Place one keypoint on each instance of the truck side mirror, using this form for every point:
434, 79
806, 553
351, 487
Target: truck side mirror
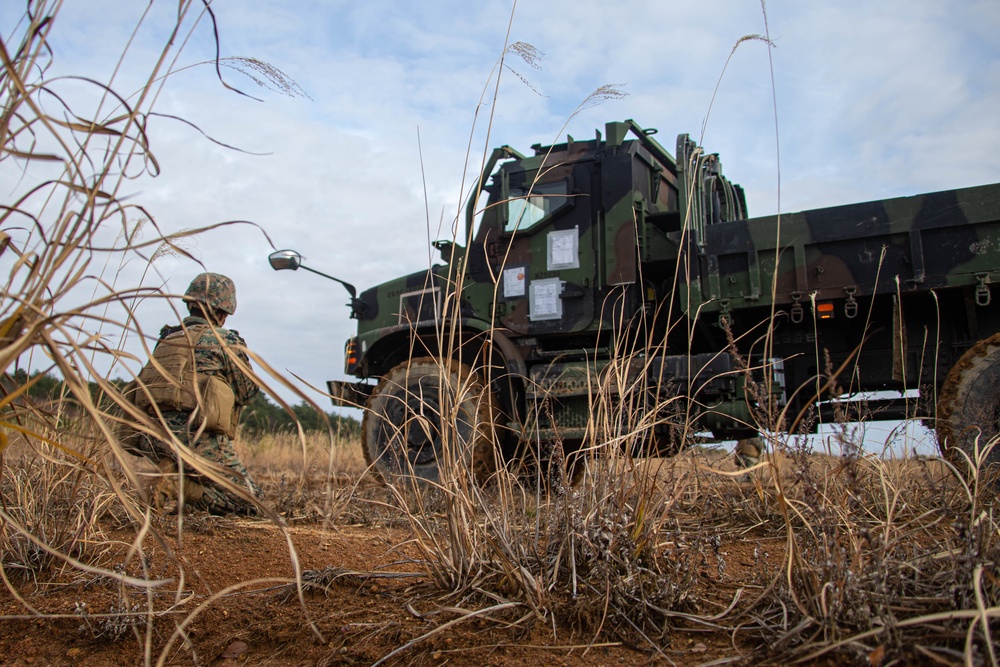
447, 250
285, 259
290, 259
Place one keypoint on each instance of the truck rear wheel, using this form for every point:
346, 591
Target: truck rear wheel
968, 410
426, 414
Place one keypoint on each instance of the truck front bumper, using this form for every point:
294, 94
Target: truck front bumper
349, 394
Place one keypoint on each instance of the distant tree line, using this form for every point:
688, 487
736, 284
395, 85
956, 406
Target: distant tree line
260, 417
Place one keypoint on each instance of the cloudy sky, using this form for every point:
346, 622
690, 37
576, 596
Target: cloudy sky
856, 100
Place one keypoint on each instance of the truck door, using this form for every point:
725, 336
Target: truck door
544, 259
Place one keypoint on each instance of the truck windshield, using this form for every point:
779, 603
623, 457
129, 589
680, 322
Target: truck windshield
527, 206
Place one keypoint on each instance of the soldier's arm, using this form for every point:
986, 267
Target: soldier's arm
236, 360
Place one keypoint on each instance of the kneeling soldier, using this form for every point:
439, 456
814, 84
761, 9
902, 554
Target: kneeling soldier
198, 381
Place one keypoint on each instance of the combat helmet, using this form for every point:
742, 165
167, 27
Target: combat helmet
214, 290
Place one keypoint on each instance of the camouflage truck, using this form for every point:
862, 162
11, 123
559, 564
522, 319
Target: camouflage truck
610, 292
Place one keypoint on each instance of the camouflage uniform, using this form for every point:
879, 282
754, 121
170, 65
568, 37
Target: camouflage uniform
213, 354
747, 454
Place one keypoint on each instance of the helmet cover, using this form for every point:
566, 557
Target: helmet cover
214, 290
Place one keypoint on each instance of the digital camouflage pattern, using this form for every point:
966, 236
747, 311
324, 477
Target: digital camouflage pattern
214, 355
216, 352
612, 256
214, 290
214, 447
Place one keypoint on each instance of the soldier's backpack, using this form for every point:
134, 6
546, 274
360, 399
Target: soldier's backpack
170, 380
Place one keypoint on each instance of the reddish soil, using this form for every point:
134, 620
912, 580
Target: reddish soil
237, 574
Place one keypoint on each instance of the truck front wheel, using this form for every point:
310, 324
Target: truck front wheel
968, 410
425, 415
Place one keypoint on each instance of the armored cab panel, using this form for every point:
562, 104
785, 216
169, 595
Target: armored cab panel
557, 250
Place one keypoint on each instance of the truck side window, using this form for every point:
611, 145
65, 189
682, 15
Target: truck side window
527, 206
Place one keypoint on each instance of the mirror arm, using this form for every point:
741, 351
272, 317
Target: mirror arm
350, 288
294, 262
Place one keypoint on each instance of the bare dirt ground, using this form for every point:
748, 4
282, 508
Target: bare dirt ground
360, 614
228, 597
365, 599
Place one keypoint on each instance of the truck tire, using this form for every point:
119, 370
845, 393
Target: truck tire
968, 410
427, 413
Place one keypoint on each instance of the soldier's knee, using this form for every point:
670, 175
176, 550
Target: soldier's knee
748, 452
750, 446
172, 489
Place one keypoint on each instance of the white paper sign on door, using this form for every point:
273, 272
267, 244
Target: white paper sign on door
513, 282
564, 249
544, 302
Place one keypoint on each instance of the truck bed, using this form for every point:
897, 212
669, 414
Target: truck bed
941, 239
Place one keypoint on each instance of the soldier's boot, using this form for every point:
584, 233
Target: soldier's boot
216, 501
747, 454
166, 494
164, 491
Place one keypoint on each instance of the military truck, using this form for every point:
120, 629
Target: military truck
608, 292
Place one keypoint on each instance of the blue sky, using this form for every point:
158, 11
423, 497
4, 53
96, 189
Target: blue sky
869, 100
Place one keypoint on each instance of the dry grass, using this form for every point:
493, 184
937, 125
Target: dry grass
879, 555
52, 514
311, 477
315, 456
